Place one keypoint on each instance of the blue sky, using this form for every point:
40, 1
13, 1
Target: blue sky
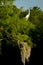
26, 4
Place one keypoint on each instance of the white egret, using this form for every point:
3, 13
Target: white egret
28, 15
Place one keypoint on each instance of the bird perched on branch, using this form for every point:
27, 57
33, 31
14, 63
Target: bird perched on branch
28, 15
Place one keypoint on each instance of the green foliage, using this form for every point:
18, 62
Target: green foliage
6, 2
36, 18
13, 27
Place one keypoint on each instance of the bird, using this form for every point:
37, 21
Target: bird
28, 15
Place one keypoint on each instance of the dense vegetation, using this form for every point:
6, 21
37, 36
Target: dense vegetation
14, 26
36, 18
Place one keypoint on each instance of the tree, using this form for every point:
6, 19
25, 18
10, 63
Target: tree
37, 20
12, 27
6, 2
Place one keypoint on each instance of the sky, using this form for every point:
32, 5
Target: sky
26, 4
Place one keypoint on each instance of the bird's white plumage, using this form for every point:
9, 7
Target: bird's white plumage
27, 16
